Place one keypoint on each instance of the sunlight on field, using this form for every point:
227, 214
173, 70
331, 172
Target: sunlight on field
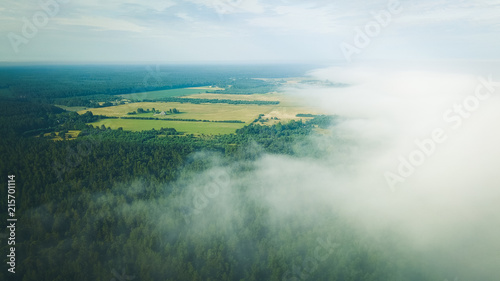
285, 111
217, 112
197, 128
167, 93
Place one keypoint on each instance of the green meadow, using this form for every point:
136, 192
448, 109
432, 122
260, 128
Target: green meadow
208, 111
166, 93
197, 128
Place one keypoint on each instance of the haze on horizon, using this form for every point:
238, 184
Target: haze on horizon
244, 30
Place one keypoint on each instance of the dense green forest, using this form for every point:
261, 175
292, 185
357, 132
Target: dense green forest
118, 205
181, 119
162, 205
248, 86
83, 85
198, 101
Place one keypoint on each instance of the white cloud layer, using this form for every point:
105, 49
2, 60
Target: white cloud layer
308, 31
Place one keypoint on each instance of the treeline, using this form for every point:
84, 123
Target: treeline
91, 101
305, 115
182, 119
22, 117
198, 101
248, 86
154, 111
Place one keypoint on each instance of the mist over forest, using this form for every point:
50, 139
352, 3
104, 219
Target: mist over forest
395, 181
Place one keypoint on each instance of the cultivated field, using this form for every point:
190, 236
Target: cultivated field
197, 128
285, 111
167, 93
209, 111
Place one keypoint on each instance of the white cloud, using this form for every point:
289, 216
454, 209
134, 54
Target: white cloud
184, 16
315, 29
101, 23
231, 6
477, 12
116, 5
299, 18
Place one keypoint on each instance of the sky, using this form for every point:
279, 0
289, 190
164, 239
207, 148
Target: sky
247, 30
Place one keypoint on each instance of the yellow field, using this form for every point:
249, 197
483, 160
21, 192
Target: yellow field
287, 110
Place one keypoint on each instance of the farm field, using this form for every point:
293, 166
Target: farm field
285, 100
197, 128
215, 112
167, 93
287, 110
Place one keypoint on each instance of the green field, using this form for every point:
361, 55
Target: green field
209, 111
287, 110
166, 93
212, 112
197, 128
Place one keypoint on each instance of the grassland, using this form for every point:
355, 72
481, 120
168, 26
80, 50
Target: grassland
285, 111
216, 112
196, 128
167, 93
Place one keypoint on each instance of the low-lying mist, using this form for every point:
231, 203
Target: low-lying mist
403, 186
423, 151
414, 159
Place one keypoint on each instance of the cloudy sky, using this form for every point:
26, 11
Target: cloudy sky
247, 30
